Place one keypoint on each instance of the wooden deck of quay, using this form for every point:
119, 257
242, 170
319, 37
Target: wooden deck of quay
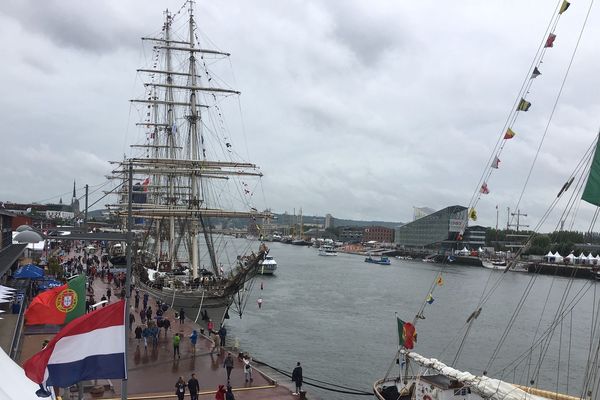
152, 373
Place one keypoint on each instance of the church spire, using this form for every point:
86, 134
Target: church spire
74, 194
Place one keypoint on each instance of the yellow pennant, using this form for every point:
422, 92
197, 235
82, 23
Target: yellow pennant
565, 4
473, 214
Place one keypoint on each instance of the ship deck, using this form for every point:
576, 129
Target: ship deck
152, 373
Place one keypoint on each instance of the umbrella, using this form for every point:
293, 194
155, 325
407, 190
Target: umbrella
29, 271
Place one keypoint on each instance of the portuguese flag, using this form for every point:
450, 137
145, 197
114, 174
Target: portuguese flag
59, 305
407, 334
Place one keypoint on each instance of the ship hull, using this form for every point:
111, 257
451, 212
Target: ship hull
193, 303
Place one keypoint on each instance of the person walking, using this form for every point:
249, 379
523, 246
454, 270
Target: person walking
143, 315
297, 377
180, 388
166, 325
181, 316
149, 313
193, 340
229, 393
108, 294
137, 300
176, 341
193, 387
220, 395
145, 335
228, 365
103, 298
138, 334
145, 300
216, 343
210, 326
259, 302
131, 320
247, 369
222, 334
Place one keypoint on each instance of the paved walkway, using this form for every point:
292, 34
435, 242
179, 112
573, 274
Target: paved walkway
154, 371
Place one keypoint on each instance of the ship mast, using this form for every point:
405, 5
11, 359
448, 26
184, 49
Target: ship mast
171, 152
194, 154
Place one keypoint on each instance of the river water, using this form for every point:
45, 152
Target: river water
336, 315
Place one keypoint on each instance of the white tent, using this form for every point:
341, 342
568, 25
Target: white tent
590, 259
558, 257
598, 259
14, 385
549, 257
570, 258
581, 259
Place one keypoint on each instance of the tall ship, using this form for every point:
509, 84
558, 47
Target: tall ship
188, 179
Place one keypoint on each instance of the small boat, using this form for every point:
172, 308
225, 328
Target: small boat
267, 266
327, 250
494, 264
383, 260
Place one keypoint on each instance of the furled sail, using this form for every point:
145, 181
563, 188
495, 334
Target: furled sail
488, 388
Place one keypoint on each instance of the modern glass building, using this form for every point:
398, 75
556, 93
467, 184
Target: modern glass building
434, 229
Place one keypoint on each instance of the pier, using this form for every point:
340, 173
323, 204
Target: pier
153, 371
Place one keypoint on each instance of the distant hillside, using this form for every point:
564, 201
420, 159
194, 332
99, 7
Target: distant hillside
280, 219
286, 219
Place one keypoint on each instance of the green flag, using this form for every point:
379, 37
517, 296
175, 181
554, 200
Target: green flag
591, 194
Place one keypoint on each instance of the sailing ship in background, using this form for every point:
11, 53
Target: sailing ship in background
189, 179
424, 378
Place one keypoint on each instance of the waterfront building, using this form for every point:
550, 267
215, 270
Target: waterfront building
6, 220
351, 234
379, 234
433, 230
328, 221
474, 237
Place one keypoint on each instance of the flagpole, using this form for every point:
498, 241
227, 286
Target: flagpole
127, 278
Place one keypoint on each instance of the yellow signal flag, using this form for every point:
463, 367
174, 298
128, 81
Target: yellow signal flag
563, 7
523, 105
473, 214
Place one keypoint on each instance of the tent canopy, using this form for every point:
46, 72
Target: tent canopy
49, 284
14, 385
29, 271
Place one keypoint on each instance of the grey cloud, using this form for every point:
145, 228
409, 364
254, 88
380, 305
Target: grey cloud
95, 27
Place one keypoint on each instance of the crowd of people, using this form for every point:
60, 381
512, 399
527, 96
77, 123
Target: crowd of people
149, 322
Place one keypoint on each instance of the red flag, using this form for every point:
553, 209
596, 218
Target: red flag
59, 305
146, 183
550, 40
484, 189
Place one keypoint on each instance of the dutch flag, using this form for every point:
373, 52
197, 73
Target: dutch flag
90, 347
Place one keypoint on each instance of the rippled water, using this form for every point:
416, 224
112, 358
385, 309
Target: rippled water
336, 316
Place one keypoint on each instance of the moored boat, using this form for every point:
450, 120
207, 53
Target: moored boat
383, 260
327, 250
267, 265
177, 176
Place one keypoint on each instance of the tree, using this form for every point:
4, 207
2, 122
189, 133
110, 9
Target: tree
540, 245
54, 267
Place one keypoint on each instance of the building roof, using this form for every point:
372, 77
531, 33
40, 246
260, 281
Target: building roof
9, 255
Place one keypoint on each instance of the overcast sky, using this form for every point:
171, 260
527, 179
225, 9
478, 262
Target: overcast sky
361, 109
